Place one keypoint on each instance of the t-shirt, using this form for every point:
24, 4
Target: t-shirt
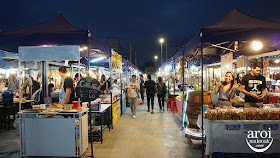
253, 84
133, 89
68, 83
150, 85
224, 93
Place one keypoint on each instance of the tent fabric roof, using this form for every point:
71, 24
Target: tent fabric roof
236, 26
55, 31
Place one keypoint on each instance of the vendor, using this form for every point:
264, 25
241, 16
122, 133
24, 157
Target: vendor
13, 84
226, 90
115, 84
253, 86
67, 94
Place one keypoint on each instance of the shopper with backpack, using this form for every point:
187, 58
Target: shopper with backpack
151, 92
161, 93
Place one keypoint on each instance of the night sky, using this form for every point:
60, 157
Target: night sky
141, 22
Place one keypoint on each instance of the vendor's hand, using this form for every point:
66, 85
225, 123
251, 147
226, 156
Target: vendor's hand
261, 96
255, 96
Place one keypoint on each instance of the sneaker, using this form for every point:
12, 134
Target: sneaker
152, 112
134, 116
148, 110
163, 109
141, 103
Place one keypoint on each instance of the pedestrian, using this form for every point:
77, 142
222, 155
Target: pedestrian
132, 94
142, 85
226, 90
161, 93
253, 86
151, 92
67, 94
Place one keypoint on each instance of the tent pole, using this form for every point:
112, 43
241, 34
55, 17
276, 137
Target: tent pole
183, 99
201, 64
90, 124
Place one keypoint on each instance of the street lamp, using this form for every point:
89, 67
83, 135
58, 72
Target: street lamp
161, 40
156, 57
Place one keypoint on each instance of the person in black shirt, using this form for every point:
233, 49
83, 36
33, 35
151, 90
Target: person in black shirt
161, 93
142, 85
67, 94
253, 86
151, 92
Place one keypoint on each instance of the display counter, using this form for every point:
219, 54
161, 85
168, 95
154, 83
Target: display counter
229, 136
114, 99
62, 133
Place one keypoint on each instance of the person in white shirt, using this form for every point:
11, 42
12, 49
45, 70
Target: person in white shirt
132, 95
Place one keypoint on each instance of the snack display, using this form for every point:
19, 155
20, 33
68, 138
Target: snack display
231, 113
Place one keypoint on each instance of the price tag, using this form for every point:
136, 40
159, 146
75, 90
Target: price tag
232, 128
273, 127
251, 127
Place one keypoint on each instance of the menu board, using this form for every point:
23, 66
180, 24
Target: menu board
116, 62
88, 89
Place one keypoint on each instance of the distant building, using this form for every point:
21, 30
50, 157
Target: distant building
114, 43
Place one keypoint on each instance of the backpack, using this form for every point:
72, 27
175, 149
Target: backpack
160, 88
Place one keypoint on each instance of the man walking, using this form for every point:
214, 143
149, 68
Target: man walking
151, 92
253, 86
142, 84
132, 95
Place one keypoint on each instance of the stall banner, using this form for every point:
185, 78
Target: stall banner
116, 62
226, 64
88, 89
265, 66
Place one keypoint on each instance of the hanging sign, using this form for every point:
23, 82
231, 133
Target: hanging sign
265, 66
116, 62
88, 89
226, 64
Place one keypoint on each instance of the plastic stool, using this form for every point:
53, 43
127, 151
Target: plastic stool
170, 104
174, 106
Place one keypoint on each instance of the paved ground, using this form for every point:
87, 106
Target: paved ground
148, 136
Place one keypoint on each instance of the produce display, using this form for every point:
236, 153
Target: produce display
231, 113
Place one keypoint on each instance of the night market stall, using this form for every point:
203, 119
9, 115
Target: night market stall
235, 33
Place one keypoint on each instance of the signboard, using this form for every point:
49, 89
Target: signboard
226, 64
88, 89
265, 66
35, 53
116, 62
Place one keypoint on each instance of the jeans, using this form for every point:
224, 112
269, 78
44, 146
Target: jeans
161, 101
150, 98
133, 105
142, 96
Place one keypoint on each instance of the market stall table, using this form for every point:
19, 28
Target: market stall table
6, 112
46, 133
103, 108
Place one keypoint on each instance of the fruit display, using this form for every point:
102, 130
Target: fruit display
231, 113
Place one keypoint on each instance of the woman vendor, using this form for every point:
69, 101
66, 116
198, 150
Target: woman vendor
226, 90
